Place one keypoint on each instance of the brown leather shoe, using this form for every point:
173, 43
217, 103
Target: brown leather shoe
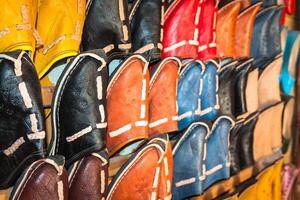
244, 28
44, 179
226, 29
162, 97
88, 178
127, 103
147, 174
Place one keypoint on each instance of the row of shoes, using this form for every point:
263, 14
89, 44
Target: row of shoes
163, 101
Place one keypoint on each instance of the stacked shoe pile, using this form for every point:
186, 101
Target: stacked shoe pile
143, 100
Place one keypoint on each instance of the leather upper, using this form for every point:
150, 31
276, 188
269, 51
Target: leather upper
242, 72
268, 84
128, 103
146, 22
252, 91
189, 168
107, 27
43, 179
89, 175
244, 30
146, 174
79, 117
163, 116
180, 34
217, 161
265, 43
197, 93
207, 29
287, 123
60, 32
17, 25
226, 29
22, 128
227, 80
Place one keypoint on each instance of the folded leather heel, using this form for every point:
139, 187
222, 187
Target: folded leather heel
21, 116
252, 90
107, 27
43, 179
146, 174
146, 28
189, 167
268, 84
163, 116
128, 103
182, 41
290, 57
265, 42
17, 25
268, 132
226, 29
242, 72
217, 167
206, 30
83, 177
244, 30
79, 126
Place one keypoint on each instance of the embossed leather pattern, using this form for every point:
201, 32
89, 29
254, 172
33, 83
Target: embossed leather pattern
128, 103
189, 166
137, 180
226, 29
43, 179
146, 27
21, 116
79, 107
107, 27
218, 166
163, 116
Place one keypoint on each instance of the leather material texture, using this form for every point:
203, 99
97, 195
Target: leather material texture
107, 27
89, 177
227, 80
17, 25
146, 174
181, 41
163, 97
267, 31
128, 103
264, 188
189, 168
22, 128
268, 132
60, 32
197, 93
252, 91
218, 165
43, 179
268, 84
207, 30
226, 29
79, 117
146, 27
248, 193
266, 3
276, 180
244, 30
242, 73
290, 58
287, 123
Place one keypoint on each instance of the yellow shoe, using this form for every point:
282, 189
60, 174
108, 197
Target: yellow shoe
17, 25
264, 184
249, 193
276, 180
